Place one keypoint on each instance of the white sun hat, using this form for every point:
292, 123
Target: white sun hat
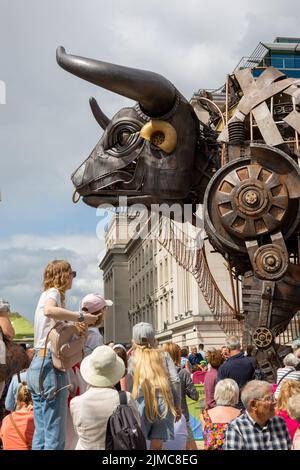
102, 368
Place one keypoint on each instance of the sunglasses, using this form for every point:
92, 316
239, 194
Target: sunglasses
74, 274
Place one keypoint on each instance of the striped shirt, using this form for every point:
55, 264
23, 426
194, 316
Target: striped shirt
243, 433
292, 374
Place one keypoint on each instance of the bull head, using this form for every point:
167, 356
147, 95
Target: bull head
147, 152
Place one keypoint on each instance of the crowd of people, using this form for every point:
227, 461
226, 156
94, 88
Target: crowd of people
47, 408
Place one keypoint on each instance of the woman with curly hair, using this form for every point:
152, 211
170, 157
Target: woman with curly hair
49, 389
287, 390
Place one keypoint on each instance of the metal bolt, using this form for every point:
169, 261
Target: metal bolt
251, 198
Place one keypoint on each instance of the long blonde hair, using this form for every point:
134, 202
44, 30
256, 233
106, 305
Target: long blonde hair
287, 389
57, 274
150, 377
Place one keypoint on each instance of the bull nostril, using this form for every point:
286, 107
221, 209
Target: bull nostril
77, 177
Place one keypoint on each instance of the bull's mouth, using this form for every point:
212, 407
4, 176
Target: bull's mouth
110, 187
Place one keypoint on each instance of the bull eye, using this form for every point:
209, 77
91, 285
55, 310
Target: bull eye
123, 137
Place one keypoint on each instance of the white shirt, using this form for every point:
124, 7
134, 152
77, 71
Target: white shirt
93, 340
90, 413
42, 324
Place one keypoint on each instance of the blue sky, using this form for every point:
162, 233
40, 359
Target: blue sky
46, 127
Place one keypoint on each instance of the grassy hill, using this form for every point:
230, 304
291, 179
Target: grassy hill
22, 326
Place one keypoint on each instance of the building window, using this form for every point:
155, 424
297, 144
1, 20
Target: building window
151, 287
161, 280
166, 270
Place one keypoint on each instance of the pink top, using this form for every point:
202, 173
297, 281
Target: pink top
292, 425
209, 387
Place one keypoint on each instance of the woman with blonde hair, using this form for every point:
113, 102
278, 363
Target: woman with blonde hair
49, 389
156, 387
18, 427
287, 390
184, 438
293, 409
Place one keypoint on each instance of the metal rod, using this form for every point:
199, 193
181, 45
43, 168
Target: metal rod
226, 102
238, 294
232, 289
251, 126
272, 102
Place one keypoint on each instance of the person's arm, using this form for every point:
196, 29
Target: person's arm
56, 313
174, 381
6, 326
188, 366
210, 381
123, 383
189, 387
233, 438
10, 400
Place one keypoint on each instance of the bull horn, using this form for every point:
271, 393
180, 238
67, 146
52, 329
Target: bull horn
155, 93
161, 134
99, 115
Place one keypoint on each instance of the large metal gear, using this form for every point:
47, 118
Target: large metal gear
252, 197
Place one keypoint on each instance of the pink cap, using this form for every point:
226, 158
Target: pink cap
94, 302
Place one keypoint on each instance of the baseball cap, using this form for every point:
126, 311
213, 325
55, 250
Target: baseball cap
203, 363
143, 333
94, 302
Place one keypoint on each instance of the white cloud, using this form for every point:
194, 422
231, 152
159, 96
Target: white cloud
24, 257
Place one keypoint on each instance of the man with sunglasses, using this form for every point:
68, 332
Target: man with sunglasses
258, 428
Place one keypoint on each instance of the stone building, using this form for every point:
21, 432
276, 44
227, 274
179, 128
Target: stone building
146, 284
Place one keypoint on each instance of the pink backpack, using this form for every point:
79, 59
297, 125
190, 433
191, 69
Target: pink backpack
66, 350
66, 345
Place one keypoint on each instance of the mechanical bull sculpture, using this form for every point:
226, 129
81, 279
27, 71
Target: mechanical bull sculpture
159, 152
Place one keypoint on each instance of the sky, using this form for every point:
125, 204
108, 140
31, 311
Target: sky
46, 127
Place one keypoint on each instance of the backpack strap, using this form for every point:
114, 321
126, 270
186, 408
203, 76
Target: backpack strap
19, 432
123, 398
284, 376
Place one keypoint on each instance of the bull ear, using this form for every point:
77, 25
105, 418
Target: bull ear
154, 92
99, 115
